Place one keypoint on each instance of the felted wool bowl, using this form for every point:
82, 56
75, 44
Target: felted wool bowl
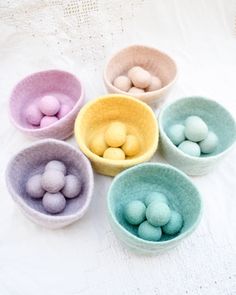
156, 62
139, 119
31, 161
218, 120
64, 86
135, 184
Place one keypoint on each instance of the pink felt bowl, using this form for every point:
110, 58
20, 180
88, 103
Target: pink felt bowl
63, 85
32, 160
156, 62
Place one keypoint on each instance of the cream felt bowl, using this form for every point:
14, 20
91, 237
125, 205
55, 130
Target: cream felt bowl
139, 119
151, 59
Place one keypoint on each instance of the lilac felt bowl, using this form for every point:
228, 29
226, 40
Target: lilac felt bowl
62, 85
32, 160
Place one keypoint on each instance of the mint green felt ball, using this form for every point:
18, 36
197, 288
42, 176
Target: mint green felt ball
174, 225
155, 196
195, 129
190, 148
158, 213
209, 144
149, 232
134, 212
176, 133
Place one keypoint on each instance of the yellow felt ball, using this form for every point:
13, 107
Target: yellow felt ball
98, 144
131, 146
114, 154
115, 134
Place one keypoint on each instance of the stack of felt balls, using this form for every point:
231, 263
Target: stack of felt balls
54, 187
153, 217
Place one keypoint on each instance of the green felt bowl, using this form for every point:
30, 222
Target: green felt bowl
218, 119
135, 184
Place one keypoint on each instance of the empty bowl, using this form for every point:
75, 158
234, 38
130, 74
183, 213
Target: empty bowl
135, 184
139, 119
218, 120
31, 161
151, 59
64, 86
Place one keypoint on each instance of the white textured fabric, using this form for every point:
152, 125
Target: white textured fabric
78, 36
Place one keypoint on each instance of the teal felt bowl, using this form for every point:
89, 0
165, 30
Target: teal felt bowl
218, 119
135, 184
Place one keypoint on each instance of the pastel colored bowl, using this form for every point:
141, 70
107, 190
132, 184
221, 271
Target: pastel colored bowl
151, 59
218, 119
64, 86
135, 184
32, 160
96, 115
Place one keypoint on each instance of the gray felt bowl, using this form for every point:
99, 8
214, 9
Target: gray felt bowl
32, 160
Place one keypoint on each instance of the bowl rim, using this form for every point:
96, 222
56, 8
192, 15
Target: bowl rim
174, 147
60, 122
136, 238
145, 94
121, 163
51, 218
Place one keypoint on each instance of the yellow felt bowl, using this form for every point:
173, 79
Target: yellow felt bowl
139, 119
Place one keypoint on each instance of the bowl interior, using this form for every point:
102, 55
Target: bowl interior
64, 86
136, 183
33, 160
216, 117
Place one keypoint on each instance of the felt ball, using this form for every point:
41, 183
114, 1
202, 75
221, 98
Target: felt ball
72, 186
98, 144
47, 121
149, 232
52, 180
34, 187
209, 144
135, 90
134, 212
174, 225
155, 196
158, 213
176, 133
115, 135
49, 105
190, 148
195, 129
155, 84
64, 110
123, 83
139, 77
131, 146
54, 203
33, 115
56, 165
114, 154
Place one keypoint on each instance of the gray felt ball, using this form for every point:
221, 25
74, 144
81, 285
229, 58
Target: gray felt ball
54, 203
53, 181
72, 186
34, 188
56, 165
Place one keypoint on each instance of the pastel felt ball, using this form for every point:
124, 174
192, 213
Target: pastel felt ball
135, 90
114, 154
195, 129
139, 77
176, 133
131, 146
155, 196
72, 187
190, 148
54, 203
34, 188
134, 212
115, 135
149, 232
209, 144
33, 115
64, 110
158, 213
123, 83
174, 225
155, 84
47, 121
49, 105
98, 144
53, 180
56, 165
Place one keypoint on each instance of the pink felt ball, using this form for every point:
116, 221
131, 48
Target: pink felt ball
65, 108
49, 105
33, 115
46, 121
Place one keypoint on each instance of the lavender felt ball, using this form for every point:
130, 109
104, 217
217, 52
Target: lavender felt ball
47, 121
149, 232
33, 115
72, 186
174, 225
155, 196
54, 203
34, 188
158, 213
53, 181
64, 109
134, 212
49, 105
56, 165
